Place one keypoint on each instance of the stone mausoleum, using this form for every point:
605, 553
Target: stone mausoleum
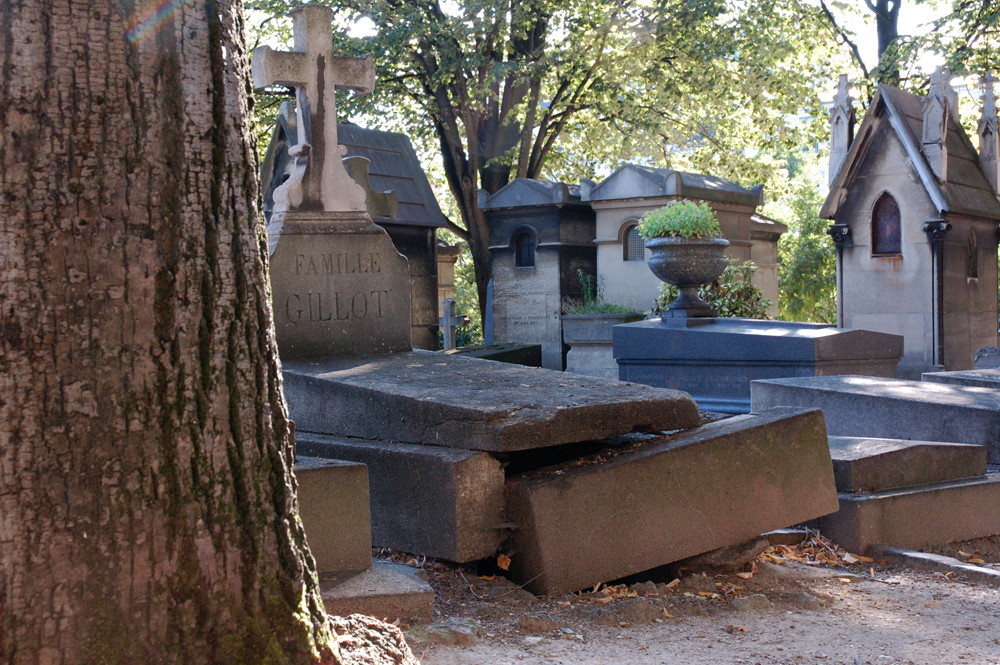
915, 217
620, 201
541, 238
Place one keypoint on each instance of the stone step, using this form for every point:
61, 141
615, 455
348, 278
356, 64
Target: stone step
472, 404
919, 517
866, 464
982, 378
387, 591
333, 505
892, 408
628, 510
439, 502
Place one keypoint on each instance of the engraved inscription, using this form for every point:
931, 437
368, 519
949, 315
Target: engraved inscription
337, 306
337, 264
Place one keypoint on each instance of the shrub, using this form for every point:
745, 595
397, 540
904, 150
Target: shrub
682, 219
592, 299
733, 295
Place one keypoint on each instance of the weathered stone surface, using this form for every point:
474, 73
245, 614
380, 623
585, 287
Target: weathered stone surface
333, 504
444, 400
387, 591
917, 517
589, 338
892, 408
865, 464
427, 500
715, 362
667, 499
983, 378
529, 355
338, 290
987, 357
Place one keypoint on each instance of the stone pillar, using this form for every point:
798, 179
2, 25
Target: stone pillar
841, 127
989, 139
939, 104
936, 230
840, 234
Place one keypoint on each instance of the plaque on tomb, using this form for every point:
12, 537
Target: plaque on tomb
339, 286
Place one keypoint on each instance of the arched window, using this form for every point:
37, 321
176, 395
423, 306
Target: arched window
886, 227
633, 245
524, 249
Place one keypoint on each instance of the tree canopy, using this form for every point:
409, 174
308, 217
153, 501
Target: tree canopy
568, 88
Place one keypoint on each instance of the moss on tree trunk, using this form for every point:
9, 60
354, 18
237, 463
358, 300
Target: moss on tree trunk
147, 506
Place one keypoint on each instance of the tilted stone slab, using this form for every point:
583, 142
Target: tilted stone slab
982, 378
867, 464
386, 591
333, 505
446, 400
626, 511
892, 408
918, 517
427, 500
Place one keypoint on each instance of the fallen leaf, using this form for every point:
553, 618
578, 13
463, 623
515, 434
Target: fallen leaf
667, 614
503, 561
604, 599
845, 580
931, 603
733, 628
563, 603
745, 576
487, 578
965, 554
671, 585
850, 558
708, 594
976, 560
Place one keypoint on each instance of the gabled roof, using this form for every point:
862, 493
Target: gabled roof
632, 181
394, 166
965, 189
524, 192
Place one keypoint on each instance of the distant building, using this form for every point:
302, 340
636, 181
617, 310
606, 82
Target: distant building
394, 166
621, 200
541, 238
915, 217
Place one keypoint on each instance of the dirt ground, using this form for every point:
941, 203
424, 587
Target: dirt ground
784, 608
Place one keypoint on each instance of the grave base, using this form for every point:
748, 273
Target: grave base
715, 360
387, 591
629, 510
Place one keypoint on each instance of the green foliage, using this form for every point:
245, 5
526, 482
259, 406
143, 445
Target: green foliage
807, 278
467, 300
680, 219
592, 299
733, 295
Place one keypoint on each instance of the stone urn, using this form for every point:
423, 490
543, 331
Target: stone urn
687, 263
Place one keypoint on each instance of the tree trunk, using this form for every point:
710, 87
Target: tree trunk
147, 510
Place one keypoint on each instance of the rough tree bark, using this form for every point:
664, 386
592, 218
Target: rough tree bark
147, 511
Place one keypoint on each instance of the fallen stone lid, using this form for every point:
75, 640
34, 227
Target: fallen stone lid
871, 464
446, 400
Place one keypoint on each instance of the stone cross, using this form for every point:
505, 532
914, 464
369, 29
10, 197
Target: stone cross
316, 73
449, 322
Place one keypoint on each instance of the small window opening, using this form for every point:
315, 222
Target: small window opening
634, 245
524, 249
886, 238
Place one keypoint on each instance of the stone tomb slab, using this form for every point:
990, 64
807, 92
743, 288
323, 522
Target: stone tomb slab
917, 517
446, 400
716, 359
338, 288
892, 408
428, 500
333, 504
668, 498
981, 378
866, 464
387, 591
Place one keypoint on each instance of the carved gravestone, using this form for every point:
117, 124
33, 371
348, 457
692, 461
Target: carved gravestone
339, 287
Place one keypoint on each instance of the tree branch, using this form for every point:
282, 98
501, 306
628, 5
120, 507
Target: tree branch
843, 35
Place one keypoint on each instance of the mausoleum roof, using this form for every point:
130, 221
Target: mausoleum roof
394, 166
633, 181
964, 190
525, 192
